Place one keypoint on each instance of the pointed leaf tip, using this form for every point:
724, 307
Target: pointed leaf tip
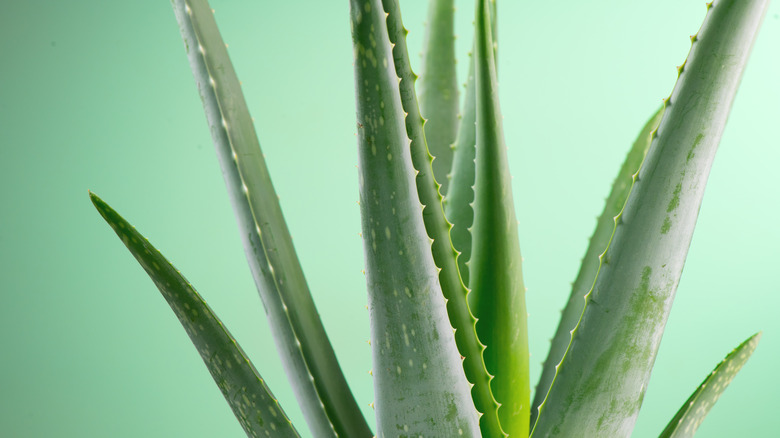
310, 362
252, 402
692, 413
614, 347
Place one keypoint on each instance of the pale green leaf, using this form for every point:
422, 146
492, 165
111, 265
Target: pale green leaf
319, 385
444, 256
438, 87
605, 225
419, 384
599, 386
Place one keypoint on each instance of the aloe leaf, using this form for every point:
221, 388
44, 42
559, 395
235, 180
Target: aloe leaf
245, 391
497, 290
698, 405
417, 373
458, 204
444, 256
317, 380
493, 11
599, 385
605, 225
438, 87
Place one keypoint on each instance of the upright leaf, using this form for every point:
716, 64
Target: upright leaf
498, 293
437, 227
493, 10
599, 386
439, 87
698, 405
419, 384
321, 389
458, 205
590, 262
245, 391
460, 196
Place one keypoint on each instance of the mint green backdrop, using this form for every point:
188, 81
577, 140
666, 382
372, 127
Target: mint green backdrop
98, 95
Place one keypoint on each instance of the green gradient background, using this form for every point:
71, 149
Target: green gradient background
98, 95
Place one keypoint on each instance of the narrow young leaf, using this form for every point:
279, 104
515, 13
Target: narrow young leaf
245, 391
439, 87
417, 372
458, 203
438, 229
319, 385
590, 263
698, 405
458, 206
498, 293
493, 10
599, 386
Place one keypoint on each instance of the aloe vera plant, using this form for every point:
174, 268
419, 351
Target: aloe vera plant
443, 265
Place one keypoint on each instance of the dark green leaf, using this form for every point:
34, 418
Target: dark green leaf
496, 279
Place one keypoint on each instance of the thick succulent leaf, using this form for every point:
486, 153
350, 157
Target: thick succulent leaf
439, 87
319, 385
497, 290
599, 386
698, 405
605, 225
419, 383
438, 229
245, 391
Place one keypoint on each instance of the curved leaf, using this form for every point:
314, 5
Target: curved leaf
698, 405
245, 391
599, 386
605, 225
